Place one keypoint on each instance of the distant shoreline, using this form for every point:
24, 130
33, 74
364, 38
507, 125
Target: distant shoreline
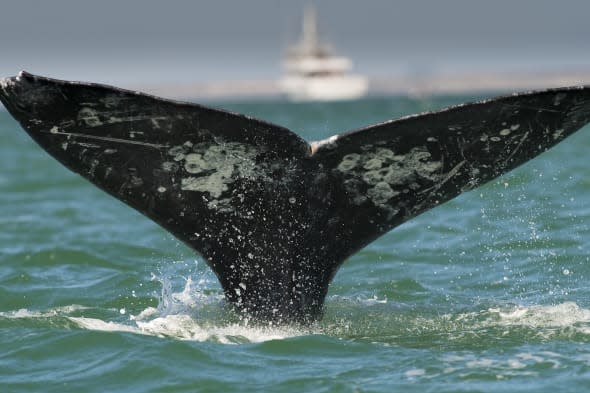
432, 84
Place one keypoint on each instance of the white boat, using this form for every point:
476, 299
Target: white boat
314, 72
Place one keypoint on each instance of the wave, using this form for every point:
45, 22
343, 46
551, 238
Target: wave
193, 314
191, 310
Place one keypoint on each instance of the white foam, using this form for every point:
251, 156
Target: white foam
561, 315
97, 324
371, 300
385, 321
520, 364
57, 311
415, 372
184, 327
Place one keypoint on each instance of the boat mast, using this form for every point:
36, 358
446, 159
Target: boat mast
310, 28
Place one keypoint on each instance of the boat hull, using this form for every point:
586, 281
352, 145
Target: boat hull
324, 88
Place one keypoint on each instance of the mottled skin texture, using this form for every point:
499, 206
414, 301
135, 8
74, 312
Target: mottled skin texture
272, 215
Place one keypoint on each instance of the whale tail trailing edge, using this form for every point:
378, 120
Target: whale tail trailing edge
273, 215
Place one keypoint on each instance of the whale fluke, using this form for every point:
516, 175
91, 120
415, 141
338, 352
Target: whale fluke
273, 215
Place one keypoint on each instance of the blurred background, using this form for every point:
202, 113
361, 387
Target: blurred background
208, 49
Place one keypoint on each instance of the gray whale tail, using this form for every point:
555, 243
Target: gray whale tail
273, 215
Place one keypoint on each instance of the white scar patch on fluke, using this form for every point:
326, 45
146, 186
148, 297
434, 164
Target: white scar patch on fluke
93, 118
213, 167
385, 173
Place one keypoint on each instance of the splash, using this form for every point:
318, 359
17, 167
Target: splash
187, 310
191, 311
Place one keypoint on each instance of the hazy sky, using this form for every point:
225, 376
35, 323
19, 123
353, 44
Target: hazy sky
136, 41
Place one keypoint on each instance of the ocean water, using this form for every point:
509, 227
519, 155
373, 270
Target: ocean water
487, 293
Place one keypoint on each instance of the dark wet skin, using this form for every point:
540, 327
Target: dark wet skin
273, 215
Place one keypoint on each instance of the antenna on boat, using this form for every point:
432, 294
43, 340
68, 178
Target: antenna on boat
310, 27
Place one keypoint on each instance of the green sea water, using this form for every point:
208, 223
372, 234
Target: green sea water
486, 293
